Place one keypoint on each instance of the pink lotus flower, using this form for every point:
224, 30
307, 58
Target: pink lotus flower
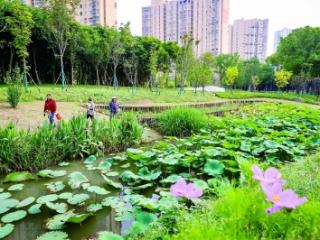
270, 176
281, 199
182, 189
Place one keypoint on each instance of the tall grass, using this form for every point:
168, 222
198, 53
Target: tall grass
181, 122
77, 138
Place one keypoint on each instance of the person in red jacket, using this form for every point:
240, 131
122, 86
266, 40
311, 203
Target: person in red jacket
50, 107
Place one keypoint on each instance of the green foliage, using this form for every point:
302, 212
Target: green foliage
200, 73
14, 87
70, 140
231, 75
223, 62
282, 78
299, 52
181, 122
239, 213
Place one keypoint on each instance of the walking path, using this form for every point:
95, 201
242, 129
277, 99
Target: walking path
30, 115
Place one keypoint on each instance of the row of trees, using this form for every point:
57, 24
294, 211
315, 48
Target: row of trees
49, 47
47, 43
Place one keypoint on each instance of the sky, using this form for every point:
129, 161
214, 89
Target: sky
281, 13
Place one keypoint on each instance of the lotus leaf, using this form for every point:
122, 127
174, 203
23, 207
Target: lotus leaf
110, 201
25, 202
127, 165
76, 179
105, 165
63, 164
47, 173
65, 195
144, 186
111, 174
16, 187
169, 160
135, 154
54, 235
5, 195
214, 167
85, 185
58, 207
35, 209
215, 152
14, 216
142, 222
167, 203
57, 221
90, 160
47, 198
92, 208
129, 177
245, 146
112, 183
18, 177
6, 230
55, 186
91, 167
7, 204
78, 199
109, 236
147, 175
270, 144
171, 179
79, 218
97, 190
203, 185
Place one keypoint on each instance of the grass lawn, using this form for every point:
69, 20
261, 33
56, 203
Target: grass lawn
306, 98
143, 96
104, 94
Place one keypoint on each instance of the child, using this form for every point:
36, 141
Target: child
113, 107
50, 107
90, 109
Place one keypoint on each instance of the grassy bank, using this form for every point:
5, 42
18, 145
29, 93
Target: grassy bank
143, 96
104, 94
306, 98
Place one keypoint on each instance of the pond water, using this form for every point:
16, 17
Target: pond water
33, 225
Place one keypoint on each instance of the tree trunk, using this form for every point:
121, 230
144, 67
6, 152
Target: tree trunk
97, 75
11, 59
35, 65
62, 75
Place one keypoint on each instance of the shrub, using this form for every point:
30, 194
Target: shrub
181, 122
130, 130
76, 138
14, 89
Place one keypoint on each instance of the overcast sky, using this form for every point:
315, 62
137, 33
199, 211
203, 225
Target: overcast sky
281, 13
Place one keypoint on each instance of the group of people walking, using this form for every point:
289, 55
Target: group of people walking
50, 109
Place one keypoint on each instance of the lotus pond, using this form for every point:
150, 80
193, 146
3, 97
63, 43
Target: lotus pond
125, 193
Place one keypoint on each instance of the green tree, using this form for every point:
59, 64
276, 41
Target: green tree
60, 14
184, 61
282, 78
231, 75
299, 52
223, 62
18, 22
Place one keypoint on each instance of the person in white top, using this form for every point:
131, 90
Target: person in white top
90, 109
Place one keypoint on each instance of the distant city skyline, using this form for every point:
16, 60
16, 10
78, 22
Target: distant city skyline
281, 14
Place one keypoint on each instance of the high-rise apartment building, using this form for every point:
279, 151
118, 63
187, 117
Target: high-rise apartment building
91, 12
205, 20
279, 35
146, 21
249, 38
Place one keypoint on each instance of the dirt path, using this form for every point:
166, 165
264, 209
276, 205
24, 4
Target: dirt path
30, 115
